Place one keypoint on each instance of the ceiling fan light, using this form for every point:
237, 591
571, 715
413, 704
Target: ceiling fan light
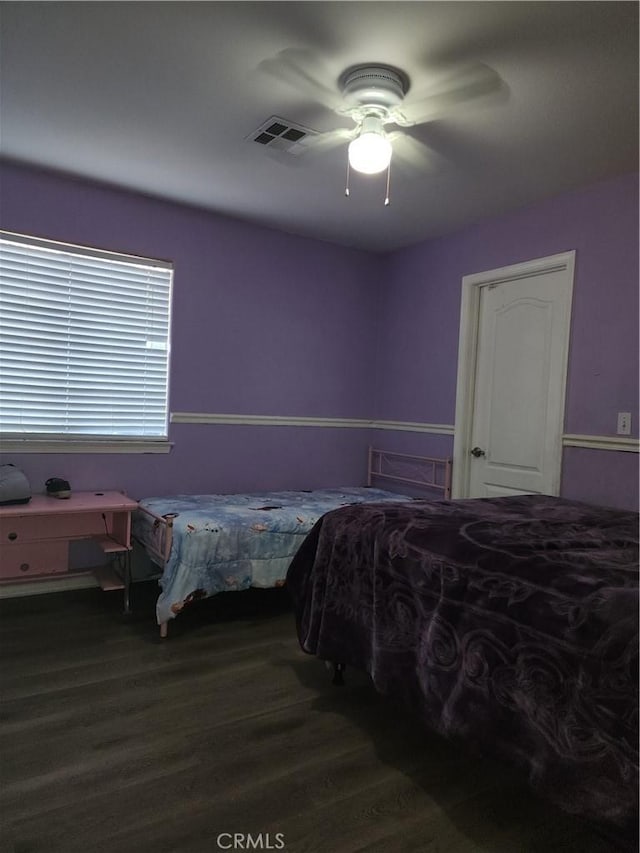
370, 153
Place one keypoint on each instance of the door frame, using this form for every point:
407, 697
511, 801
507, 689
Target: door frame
467, 358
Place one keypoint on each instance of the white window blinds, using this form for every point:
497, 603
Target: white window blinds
84, 341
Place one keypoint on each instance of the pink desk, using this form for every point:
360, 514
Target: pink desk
35, 537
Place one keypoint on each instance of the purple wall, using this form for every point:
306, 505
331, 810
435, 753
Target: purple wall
263, 323
420, 311
268, 323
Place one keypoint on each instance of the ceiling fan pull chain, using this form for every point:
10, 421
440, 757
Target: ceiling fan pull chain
346, 189
386, 198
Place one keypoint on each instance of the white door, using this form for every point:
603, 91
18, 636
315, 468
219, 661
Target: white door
512, 422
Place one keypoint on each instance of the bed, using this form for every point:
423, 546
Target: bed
510, 622
207, 544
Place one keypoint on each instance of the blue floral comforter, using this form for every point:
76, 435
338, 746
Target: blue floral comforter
232, 542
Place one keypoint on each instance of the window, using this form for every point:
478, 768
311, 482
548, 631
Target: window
84, 344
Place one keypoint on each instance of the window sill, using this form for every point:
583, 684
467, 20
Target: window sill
82, 445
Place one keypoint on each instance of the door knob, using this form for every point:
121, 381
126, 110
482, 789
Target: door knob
477, 452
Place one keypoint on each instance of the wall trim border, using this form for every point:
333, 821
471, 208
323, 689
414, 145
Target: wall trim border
13, 445
414, 426
602, 442
264, 420
294, 421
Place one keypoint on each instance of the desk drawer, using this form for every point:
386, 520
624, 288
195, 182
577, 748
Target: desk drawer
34, 528
33, 558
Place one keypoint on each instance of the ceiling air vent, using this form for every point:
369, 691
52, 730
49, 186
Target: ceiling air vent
282, 135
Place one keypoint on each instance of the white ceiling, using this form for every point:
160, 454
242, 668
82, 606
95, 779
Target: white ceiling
159, 97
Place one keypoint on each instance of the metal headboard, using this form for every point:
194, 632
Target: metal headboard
426, 472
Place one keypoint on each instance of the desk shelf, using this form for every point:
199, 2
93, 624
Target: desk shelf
109, 545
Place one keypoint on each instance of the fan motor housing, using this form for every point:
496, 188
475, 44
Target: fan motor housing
374, 85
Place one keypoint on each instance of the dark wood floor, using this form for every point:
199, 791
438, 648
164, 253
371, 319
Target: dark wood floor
113, 740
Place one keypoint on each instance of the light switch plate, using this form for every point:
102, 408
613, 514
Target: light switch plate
624, 423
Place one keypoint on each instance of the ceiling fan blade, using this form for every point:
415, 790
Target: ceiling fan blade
304, 72
331, 139
413, 154
466, 148
472, 84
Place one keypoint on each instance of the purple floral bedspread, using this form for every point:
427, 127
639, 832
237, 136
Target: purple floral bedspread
511, 622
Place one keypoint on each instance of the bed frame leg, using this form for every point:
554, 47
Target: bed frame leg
338, 670
164, 627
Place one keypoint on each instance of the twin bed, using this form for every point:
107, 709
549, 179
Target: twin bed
207, 544
510, 622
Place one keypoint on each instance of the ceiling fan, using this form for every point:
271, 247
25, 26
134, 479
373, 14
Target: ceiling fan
377, 98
